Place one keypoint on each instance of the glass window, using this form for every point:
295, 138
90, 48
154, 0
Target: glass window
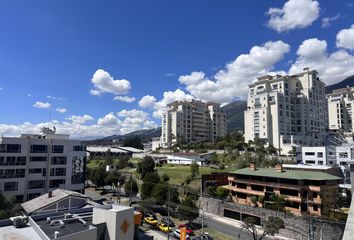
10, 186
39, 148
38, 159
36, 184
58, 160
57, 149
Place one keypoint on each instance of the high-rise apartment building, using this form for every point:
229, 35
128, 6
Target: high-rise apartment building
191, 121
340, 110
287, 111
31, 165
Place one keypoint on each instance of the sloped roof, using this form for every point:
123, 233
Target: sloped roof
131, 149
288, 174
43, 201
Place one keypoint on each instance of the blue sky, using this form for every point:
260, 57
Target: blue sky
168, 50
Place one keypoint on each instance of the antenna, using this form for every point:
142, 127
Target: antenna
49, 114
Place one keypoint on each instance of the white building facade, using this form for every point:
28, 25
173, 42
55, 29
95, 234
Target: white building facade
31, 165
287, 111
340, 111
191, 122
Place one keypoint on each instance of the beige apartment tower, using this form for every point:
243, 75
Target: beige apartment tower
340, 111
287, 111
191, 122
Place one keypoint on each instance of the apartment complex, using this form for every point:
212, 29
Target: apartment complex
303, 189
340, 110
31, 164
287, 111
191, 122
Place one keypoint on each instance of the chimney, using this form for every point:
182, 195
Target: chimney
253, 166
50, 194
279, 167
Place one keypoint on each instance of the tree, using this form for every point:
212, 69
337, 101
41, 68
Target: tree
98, 175
221, 192
134, 142
174, 197
279, 202
123, 162
188, 210
114, 178
6, 207
165, 177
145, 166
332, 203
160, 193
194, 169
131, 187
149, 181
270, 227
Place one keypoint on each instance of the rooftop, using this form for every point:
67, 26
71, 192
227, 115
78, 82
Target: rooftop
12, 233
44, 200
307, 166
288, 174
131, 149
105, 149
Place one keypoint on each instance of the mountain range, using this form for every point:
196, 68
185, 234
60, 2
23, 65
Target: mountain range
234, 117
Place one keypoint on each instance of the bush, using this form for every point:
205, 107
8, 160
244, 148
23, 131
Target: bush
254, 200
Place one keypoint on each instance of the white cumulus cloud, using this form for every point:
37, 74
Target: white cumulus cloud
232, 81
43, 105
332, 67
147, 101
294, 14
124, 99
345, 38
61, 110
104, 83
80, 119
108, 120
326, 21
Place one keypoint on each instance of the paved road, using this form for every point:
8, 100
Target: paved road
227, 229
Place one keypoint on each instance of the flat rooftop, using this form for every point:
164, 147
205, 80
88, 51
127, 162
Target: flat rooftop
287, 174
12, 233
70, 227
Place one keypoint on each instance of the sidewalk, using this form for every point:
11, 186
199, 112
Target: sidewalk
236, 223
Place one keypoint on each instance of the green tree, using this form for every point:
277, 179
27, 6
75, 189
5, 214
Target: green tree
123, 162
221, 192
188, 210
134, 142
165, 177
6, 207
149, 181
211, 190
254, 200
114, 178
147, 165
332, 203
98, 175
194, 169
271, 227
131, 187
279, 202
160, 193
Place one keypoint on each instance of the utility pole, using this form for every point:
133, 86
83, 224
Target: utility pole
131, 189
168, 213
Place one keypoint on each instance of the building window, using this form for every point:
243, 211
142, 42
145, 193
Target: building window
310, 162
57, 149
315, 207
10, 148
39, 148
320, 162
320, 154
35, 170
309, 153
56, 183
38, 159
58, 160
57, 172
36, 184
10, 186
343, 154
79, 148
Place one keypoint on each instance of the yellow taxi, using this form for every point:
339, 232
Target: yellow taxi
164, 228
151, 221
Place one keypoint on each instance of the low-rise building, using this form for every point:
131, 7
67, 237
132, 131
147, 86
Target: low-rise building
188, 158
33, 164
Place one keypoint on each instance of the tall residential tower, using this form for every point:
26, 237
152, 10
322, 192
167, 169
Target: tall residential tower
192, 121
287, 111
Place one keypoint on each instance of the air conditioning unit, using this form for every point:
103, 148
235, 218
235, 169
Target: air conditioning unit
19, 221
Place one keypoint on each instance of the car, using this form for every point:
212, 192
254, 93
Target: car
167, 221
150, 214
151, 221
177, 234
203, 237
164, 228
189, 229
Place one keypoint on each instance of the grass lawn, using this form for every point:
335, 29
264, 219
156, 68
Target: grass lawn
178, 173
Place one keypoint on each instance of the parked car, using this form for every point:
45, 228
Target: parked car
148, 213
164, 228
177, 234
167, 221
188, 227
150, 220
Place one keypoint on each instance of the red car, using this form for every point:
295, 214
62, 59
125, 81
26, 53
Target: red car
189, 230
